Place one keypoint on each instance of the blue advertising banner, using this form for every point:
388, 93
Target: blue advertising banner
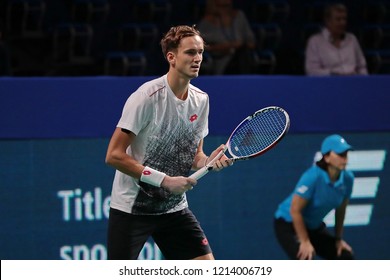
91, 107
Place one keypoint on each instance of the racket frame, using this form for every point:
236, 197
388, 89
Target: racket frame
276, 141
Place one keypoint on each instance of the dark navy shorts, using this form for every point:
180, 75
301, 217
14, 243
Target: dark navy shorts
323, 242
178, 235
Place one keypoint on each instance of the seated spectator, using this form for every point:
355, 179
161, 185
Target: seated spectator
229, 38
333, 51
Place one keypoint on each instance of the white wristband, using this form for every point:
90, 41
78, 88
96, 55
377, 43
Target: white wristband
152, 177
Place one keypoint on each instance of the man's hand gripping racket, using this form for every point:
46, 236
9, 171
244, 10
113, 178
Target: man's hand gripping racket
255, 135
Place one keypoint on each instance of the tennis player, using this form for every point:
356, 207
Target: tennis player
325, 186
156, 143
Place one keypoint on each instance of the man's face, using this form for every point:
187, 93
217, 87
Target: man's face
188, 57
337, 23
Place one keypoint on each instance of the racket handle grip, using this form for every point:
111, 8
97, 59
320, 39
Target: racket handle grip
205, 169
201, 172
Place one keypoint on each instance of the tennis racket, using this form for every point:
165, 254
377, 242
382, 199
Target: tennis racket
255, 135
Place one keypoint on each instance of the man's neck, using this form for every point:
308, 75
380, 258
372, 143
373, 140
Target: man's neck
178, 85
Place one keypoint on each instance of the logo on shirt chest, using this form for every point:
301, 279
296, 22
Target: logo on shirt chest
193, 118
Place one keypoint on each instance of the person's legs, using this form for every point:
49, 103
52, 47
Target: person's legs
127, 235
325, 245
287, 238
205, 257
180, 237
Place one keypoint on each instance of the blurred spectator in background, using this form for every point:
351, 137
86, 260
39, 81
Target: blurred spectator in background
229, 38
333, 51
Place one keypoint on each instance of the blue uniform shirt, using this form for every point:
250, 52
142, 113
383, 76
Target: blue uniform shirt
322, 195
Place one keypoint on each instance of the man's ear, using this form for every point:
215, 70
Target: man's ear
171, 57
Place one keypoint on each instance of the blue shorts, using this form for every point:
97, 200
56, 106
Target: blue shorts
178, 235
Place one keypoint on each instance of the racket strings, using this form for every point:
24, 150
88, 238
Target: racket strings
258, 133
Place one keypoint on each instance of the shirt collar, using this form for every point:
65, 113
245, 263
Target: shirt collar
328, 36
336, 184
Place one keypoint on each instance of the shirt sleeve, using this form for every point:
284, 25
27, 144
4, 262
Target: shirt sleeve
313, 64
361, 65
245, 27
136, 113
306, 185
